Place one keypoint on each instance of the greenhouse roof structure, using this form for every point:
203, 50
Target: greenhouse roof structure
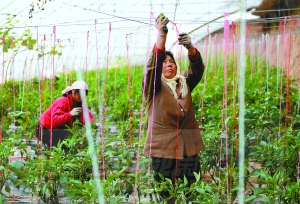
90, 114
95, 32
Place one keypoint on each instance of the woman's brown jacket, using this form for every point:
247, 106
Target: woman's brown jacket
171, 124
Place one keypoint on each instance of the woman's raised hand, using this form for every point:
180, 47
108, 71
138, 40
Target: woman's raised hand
161, 24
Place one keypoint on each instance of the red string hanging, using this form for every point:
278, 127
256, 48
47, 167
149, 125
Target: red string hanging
52, 80
104, 108
128, 90
141, 125
87, 51
288, 107
2, 115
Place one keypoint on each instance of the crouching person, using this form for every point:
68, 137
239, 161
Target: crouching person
53, 124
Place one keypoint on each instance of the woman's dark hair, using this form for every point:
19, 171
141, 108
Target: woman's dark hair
169, 53
76, 91
77, 104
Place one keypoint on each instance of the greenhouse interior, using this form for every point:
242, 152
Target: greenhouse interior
150, 101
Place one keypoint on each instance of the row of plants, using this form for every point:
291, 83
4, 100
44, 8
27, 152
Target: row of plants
272, 138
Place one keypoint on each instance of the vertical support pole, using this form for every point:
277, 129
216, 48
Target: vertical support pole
242, 63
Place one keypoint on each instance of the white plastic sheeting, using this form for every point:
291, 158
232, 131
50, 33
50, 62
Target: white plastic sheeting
100, 34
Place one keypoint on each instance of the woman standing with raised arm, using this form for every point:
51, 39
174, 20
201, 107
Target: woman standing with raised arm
173, 139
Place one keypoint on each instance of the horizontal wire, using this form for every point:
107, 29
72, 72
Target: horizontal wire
211, 2
272, 10
256, 21
108, 14
205, 13
178, 12
139, 20
48, 38
259, 20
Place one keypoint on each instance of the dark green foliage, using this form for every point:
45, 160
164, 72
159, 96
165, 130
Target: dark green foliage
271, 137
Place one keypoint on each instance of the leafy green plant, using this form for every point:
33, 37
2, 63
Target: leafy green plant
47, 173
272, 187
271, 137
6, 148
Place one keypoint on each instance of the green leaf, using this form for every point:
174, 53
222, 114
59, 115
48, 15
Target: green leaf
80, 154
7, 189
263, 143
161, 176
255, 172
64, 178
44, 189
180, 190
149, 191
18, 164
169, 181
2, 198
110, 178
197, 176
14, 180
20, 121
264, 174
120, 172
269, 163
76, 182
71, 165
22, 146
200, 190
250, 198
185, 181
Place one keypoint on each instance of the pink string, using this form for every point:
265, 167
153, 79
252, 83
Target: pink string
288, 108
204, 84
175, 24
299, 166
38, 65
233, 34
177, 147
247, 30
281, 83
42, 88
215, 53
104, 103
3, 43
25, 77
87, 51
178, 117
43, 64
299, 151
12, 77
224, 108
102, 123
247, 34
152, 114
128, 90
225, 101
285, 19
54, 36
207, 41
141, 123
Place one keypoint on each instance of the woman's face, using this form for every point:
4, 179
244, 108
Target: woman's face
169, 68
76, 96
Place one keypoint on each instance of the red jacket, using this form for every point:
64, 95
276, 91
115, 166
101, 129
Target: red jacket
59, 113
